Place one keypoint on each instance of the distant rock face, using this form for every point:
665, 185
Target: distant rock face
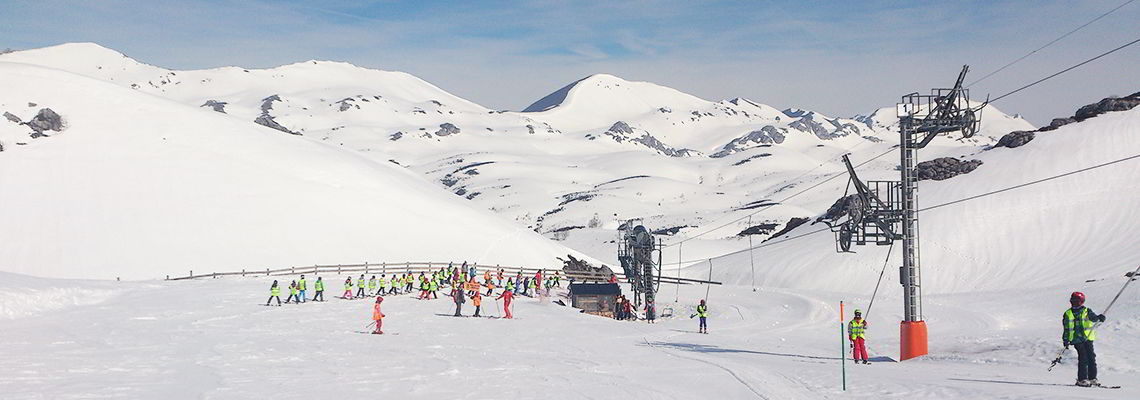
837, 209
766, 135
265, 119
944, 168
831, 130
45, 120
447, 129
12, 117
1108, 105
1015, 139
347, 104
219, 106
621, 132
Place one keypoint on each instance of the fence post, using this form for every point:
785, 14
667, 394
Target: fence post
191, 274
366, 268
338, 269
243, 272
168, 277
267, 272
384, 267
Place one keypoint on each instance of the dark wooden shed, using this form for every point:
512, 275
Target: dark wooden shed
595, 298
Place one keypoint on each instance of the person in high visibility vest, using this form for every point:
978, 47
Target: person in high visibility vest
1078, 322
507, 295
433, 287
510, 285
703, 313
477, 299
301, 289
557, 279
378, 316
382, 283
292, 293
372, 285
360, 286
274, 293
347, 288
320, 286
396, 283
856, 329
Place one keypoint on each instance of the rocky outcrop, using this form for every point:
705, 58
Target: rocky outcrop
219, 106
944, 168
13, 118
837, 209
1107, 105
621, 132
828, 129
45, 120
766, 135
1015, 139
265, 119
447, 129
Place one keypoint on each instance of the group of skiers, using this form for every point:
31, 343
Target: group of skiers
297, 291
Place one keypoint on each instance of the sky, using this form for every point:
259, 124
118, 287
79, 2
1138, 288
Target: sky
840, 58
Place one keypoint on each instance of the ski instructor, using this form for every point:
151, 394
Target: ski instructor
1077, 322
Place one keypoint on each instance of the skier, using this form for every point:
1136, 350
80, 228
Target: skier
499, 281
507, 295
382, 283
557, 279
378, 316
360, 286
372, 285
613, 278
347, 288
274, 293
434, 287
477, 299
301, 289
627, 309
855, 332
292, 293
458, 297
510, 285
703, 312
1077, 322
490, 287
320, 286
650, 311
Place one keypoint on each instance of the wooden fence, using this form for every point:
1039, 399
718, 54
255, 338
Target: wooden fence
427, 267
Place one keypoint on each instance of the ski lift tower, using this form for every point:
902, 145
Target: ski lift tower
635, 252
882, 212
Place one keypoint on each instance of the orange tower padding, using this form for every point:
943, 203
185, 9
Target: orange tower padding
913, 340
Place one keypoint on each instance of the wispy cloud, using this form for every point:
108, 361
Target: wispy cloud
838, 57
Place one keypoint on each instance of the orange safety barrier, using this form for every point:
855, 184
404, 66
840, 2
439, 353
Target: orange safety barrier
913, 340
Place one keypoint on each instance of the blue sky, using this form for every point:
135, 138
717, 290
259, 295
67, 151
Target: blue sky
840, 58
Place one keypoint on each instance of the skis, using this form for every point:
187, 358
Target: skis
1098, 387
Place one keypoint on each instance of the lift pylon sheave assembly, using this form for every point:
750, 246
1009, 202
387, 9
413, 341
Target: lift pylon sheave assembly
884, 211
635, 252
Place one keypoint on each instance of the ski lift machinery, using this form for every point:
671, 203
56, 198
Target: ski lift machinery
635, 252
882, 212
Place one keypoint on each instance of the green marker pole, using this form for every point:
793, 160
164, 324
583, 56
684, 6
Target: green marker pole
842, 348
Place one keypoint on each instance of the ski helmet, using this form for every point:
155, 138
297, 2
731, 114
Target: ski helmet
1077, 299
858, 312
379, 299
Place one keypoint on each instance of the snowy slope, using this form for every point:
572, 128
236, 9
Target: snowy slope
165, 339
138, 186
1064, 230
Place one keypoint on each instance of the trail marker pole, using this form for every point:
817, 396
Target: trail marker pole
842, 348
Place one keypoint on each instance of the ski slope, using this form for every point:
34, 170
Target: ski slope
215, 339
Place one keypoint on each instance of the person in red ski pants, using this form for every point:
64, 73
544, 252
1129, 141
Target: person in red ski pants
856, 332
506, 296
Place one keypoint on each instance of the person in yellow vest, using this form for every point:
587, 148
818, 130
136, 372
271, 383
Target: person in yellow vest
292, 293
372, 285
360, 286
1078, 323
320, 286
301, 290
856, 332
703, 313
274, 293
347, 288
383, 284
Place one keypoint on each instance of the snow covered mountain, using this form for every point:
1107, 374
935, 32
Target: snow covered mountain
570, 165
138, 186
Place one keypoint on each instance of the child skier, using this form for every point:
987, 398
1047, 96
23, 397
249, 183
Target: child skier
650, 311
292, 293
320, 286
372, 285
378, 316
855, 332
360, 286
703, 313
347, 288
507, 296
478, 301
1077, 322
274, 293
458, 297
301, 289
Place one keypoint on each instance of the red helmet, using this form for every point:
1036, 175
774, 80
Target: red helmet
1077, 299
379, 299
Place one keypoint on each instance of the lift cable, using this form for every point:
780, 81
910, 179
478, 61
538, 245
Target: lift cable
1051, 43
1066, 70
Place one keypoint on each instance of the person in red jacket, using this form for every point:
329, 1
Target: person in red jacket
378, 316
506, 296
613, 278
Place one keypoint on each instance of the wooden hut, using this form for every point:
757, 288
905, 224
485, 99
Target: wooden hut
595, 298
